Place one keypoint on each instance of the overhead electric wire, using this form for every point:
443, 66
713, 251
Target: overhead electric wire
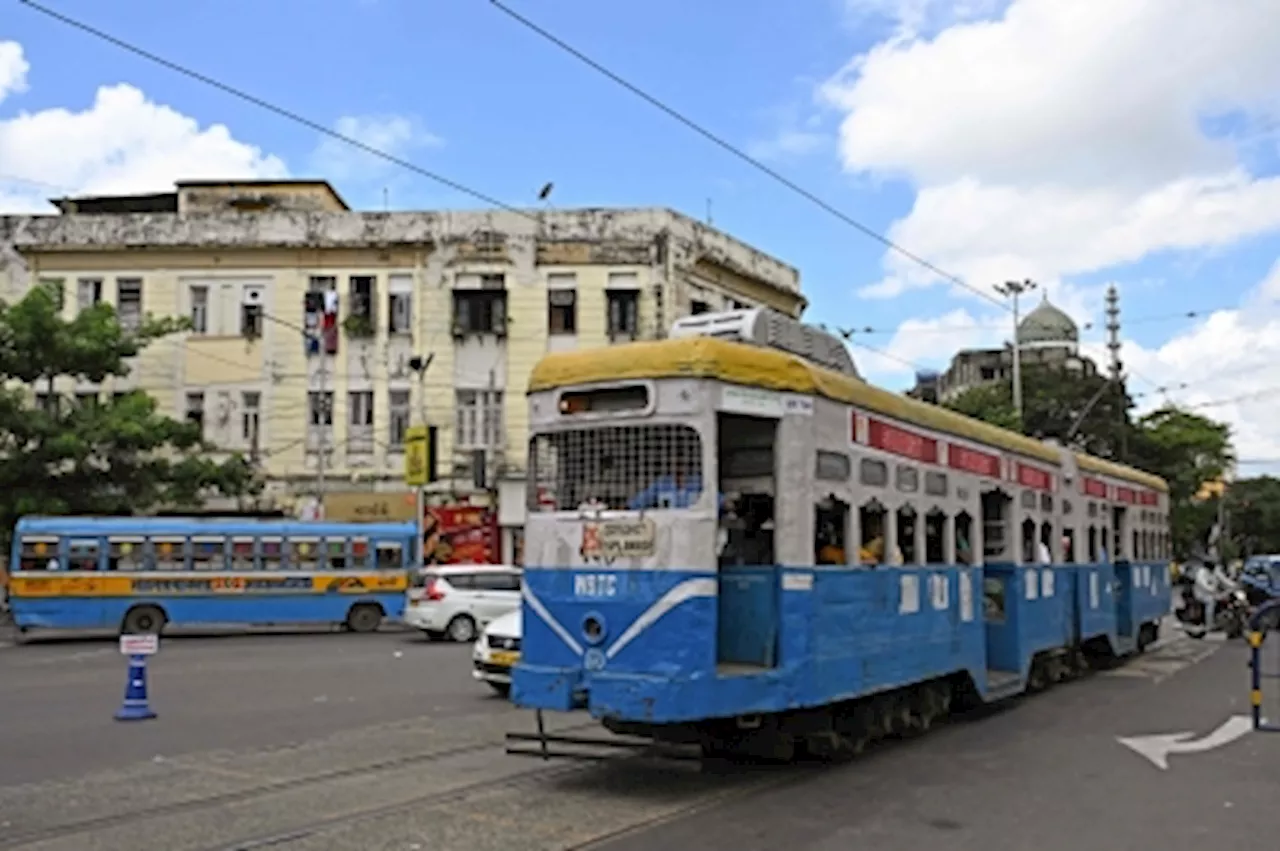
271, 107
741, 154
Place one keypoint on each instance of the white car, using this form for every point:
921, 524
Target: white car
457, 601
496, 652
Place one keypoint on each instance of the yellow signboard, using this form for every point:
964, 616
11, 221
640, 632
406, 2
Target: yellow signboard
369, 507
417, 456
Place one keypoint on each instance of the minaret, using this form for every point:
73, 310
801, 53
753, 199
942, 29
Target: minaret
1113, 332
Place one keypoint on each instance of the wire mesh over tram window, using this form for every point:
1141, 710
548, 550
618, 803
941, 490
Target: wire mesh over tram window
620, 467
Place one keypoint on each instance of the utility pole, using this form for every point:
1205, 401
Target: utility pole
326, 423
419, 365
1012, 290
1116, 366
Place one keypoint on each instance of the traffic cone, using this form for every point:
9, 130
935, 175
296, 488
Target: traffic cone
135, 706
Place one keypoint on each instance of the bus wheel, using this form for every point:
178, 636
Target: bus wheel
143, 620
365, 617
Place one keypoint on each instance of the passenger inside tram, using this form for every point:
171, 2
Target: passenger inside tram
831, 523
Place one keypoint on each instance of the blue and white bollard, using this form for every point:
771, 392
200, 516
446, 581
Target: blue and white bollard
135, 706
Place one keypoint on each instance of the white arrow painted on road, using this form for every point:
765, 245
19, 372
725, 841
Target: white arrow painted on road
1159, 748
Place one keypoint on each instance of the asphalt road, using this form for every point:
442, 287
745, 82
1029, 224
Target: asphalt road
57, 697
311, 742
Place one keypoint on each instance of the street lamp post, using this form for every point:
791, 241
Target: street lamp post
1012, 290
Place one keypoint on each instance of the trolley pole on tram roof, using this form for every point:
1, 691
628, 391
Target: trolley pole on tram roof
1012, 290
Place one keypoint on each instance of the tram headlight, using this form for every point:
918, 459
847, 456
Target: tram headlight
593, 628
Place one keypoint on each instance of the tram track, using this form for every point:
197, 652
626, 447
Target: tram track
20, 837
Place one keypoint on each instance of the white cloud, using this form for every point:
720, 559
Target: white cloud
122, 142
397, 135
788, 143
1061, 137
13, 69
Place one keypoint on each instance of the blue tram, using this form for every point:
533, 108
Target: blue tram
737, 542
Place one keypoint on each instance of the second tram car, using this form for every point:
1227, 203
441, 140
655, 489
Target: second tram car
735, 541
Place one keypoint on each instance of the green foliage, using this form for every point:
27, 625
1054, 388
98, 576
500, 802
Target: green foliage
1253, 508
1091, 413
114, 456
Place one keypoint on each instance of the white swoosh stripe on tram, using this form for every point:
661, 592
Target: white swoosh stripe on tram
541, 610
686, 590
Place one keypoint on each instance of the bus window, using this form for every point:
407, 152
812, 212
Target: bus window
126, 553
82, 553
209, 553
337, 553
305, 553
272, 553
390, 555
242, 553
359, 554
170, 553
37, 553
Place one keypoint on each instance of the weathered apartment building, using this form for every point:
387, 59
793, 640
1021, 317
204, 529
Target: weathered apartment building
312, 321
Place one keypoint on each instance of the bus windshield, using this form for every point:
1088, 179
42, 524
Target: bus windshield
631, 467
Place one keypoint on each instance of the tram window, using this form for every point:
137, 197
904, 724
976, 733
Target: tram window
1093, 509
1046, 542
871, 520
996, 526
1093, 545
126, 553
82, 553
1066, 506
873, 473
993, 602
208, 553
242, 553
390, 555
1104, 552
634, 397
831, 528
832, 466
1069, 545
170, 553
964, 538
304, 553
906, 529
935, 484
619, 467
1029, 500
907, 478
1139, 551
1046, 502
1028, 541
336, 550
935, 539
273, 553
37, 553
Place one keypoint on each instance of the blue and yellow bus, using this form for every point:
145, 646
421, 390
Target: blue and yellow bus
139, 574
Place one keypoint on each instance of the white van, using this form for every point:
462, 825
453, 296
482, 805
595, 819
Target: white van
458, 601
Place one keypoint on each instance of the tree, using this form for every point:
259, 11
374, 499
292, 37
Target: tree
1253, 509
117, 455
1186, 450
1083, 410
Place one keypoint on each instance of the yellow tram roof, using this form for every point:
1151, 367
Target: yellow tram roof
773, 369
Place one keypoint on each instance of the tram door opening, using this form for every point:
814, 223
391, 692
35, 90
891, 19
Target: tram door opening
748, 610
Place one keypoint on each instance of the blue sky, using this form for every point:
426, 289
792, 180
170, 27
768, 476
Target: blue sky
992, 159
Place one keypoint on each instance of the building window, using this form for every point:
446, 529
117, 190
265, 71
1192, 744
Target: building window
88, 293
129, 303
195, 410
562, 311
200, 309
624, 312
698, 306
320, 315
399, 418
479, 419
320, 408
479, 312
251, 314
361, 313
250, 417
400, 304
48, 402
361, 404
87, 400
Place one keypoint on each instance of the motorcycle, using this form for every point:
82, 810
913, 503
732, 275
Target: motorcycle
1231, 608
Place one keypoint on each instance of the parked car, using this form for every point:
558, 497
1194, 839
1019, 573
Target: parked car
458, 601
497, 651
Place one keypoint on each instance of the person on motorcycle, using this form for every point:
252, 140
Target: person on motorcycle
1210, 584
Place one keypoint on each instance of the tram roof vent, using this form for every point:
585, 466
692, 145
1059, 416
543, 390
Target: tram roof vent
761, 326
